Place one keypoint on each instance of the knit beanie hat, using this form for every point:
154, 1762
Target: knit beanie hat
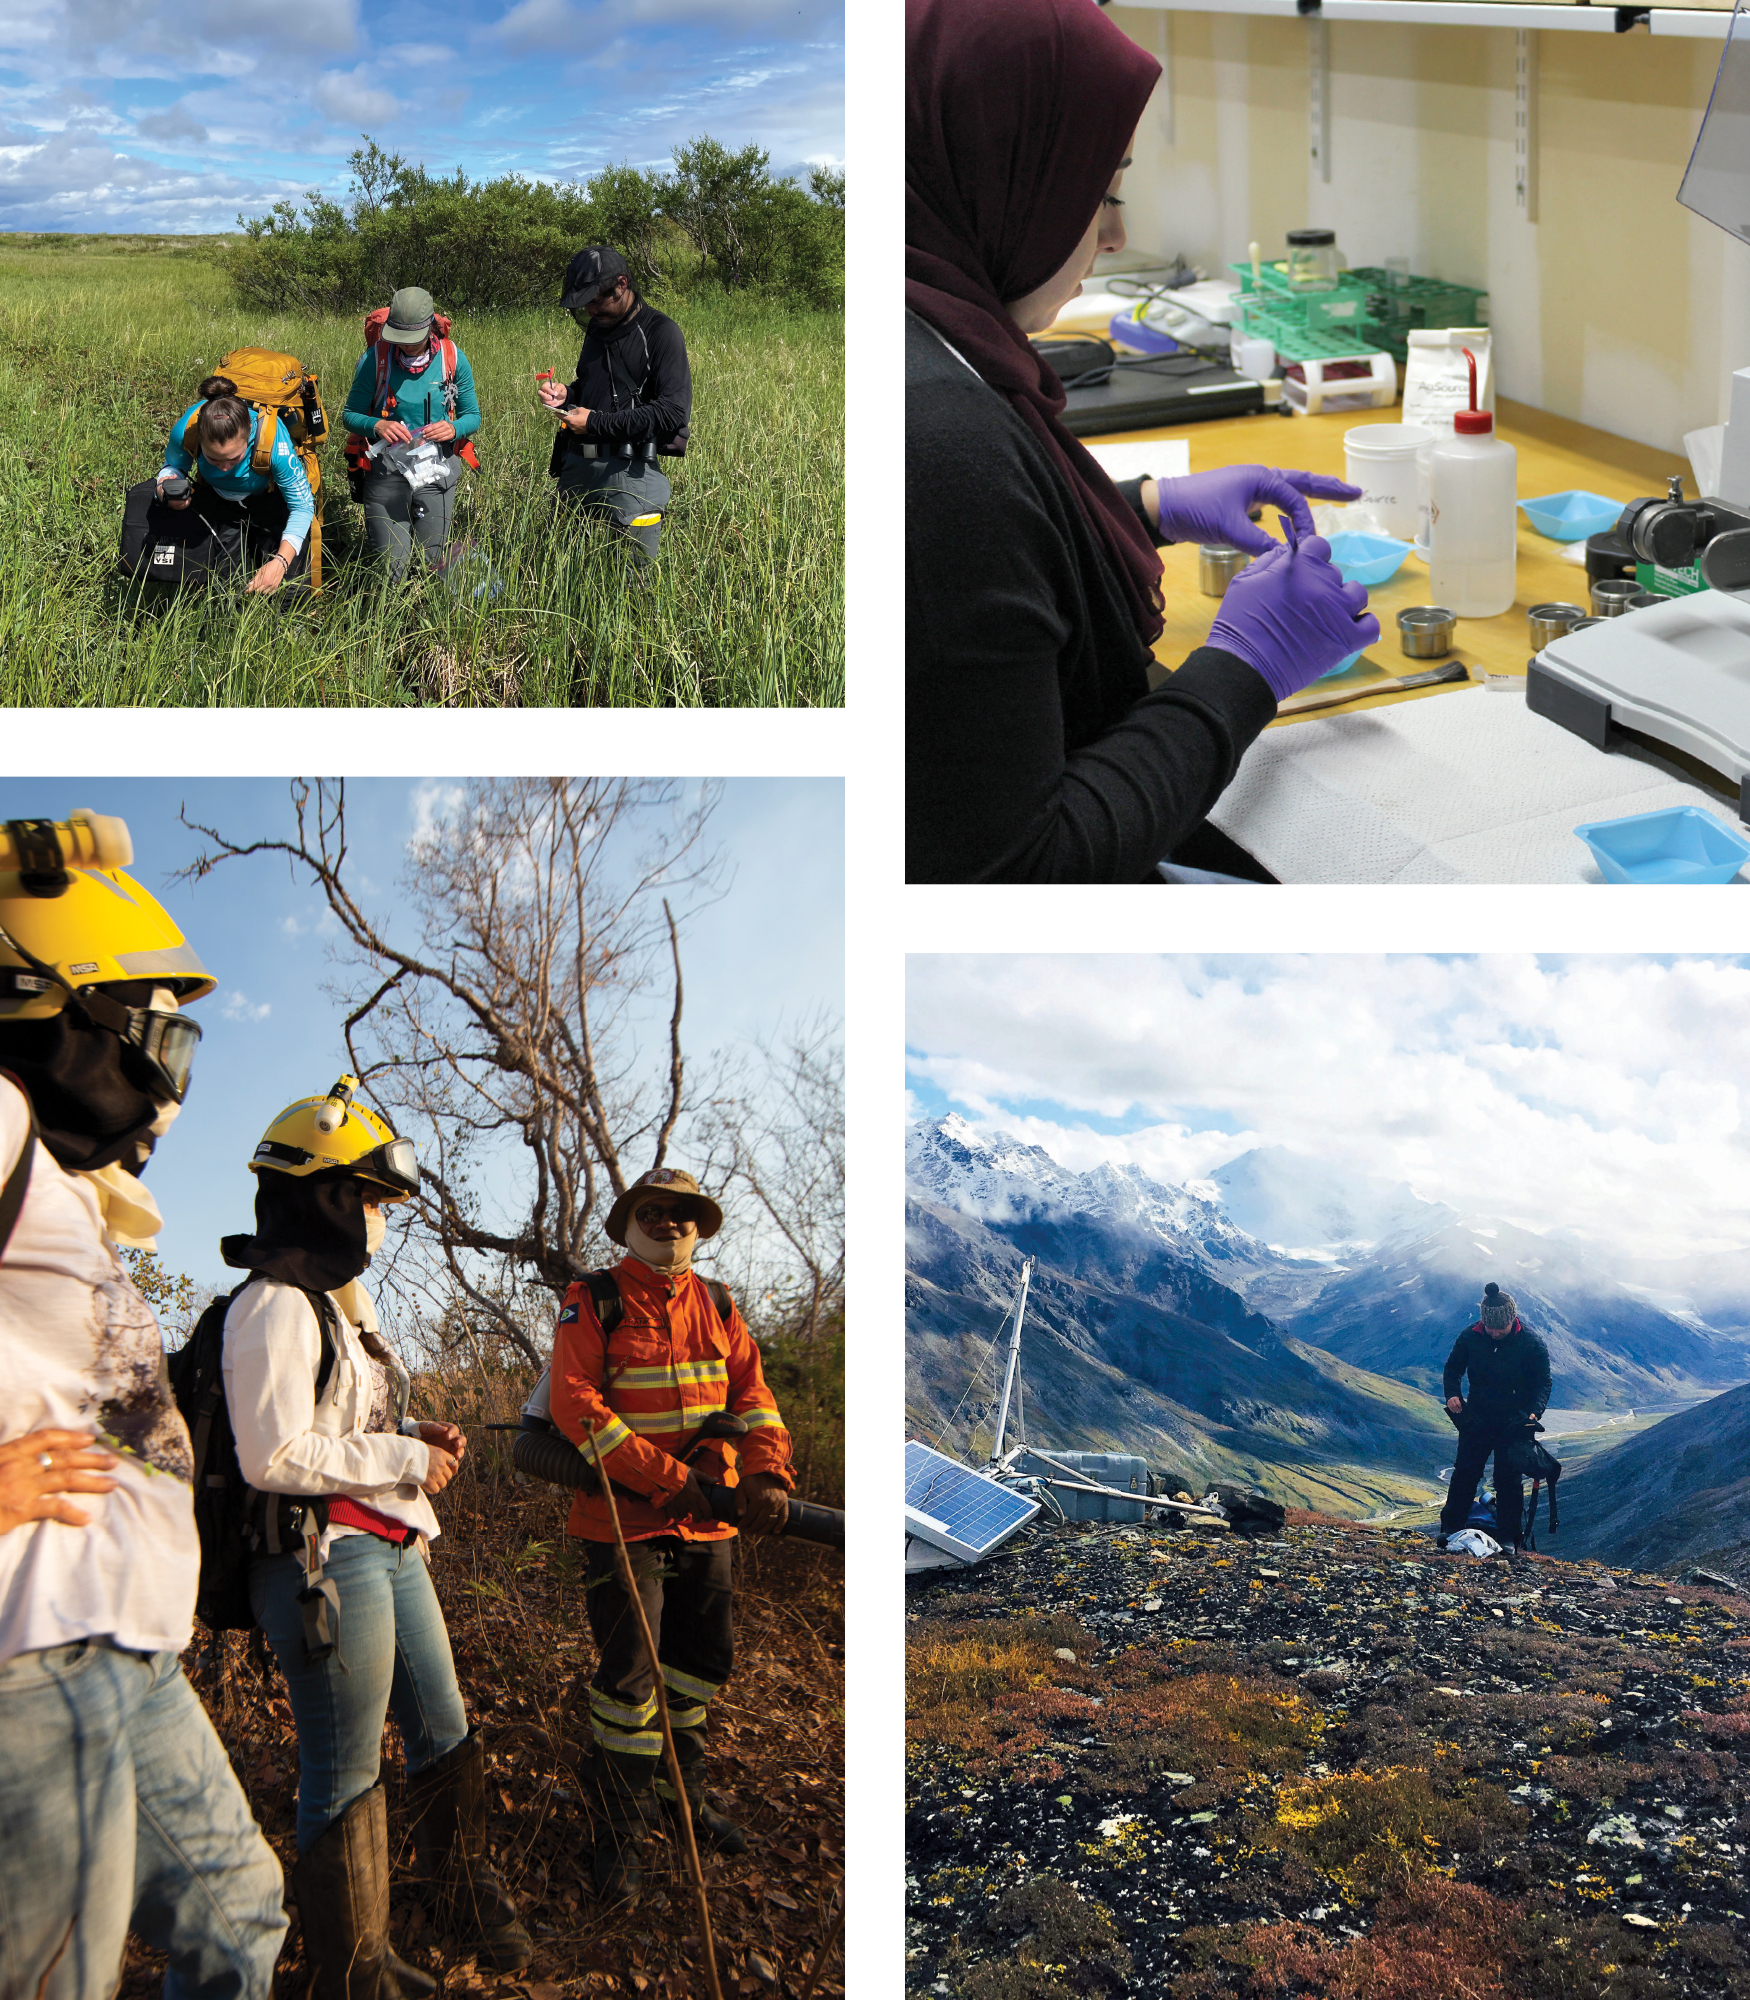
1499, 1311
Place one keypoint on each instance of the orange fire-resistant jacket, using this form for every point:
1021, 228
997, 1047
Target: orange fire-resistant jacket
642, 1393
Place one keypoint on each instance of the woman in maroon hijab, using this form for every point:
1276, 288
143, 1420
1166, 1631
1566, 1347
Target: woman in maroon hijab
1034, 749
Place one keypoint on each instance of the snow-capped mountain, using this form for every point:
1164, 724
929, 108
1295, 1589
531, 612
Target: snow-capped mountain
1294, 1202
1398, 1307
1000, 1180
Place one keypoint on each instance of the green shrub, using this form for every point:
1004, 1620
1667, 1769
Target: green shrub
492, 246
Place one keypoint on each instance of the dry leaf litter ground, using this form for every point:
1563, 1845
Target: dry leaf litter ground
511, 1587
1336, 1762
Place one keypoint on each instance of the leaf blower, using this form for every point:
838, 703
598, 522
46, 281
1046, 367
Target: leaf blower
543, 1452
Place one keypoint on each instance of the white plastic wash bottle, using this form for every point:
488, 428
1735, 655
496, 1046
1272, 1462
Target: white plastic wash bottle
1473, 521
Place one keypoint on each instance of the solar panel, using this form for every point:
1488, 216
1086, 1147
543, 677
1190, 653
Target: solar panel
956, 1508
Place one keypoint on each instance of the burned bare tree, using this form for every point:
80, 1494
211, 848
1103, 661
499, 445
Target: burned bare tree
785, 1145
502, 1034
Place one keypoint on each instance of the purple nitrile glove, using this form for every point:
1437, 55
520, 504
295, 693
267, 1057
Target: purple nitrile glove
1290, 616
1213, 506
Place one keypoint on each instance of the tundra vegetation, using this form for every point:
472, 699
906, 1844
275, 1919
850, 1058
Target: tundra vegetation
104, 341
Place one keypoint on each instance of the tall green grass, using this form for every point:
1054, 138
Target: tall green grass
103, 342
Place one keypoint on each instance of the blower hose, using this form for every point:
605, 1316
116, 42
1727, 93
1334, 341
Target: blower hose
540, 1452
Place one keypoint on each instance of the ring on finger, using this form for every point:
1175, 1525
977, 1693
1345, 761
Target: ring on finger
45, 1460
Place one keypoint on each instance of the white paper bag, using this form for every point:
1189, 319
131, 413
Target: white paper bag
1437, 376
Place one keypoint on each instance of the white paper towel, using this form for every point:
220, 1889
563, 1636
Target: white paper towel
1461, 787
1157, 458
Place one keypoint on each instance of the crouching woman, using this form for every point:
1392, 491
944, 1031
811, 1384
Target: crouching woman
263, 516
413, 386
318, 1404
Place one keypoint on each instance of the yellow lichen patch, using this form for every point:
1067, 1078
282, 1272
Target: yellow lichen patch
1218, 1726
1368, 1830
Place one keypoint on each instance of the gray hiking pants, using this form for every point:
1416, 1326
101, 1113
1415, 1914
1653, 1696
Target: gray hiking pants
398, 515
622, 491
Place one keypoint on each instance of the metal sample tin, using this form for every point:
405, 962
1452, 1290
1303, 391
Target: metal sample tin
1218, 563
1550, 621
1425, 631
1611, 595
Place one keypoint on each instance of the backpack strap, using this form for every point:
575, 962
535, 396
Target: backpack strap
266, 437
381, 349
18, 1181
720, 1298
328, 1322
604, 1295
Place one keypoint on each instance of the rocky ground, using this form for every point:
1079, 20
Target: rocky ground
1335, 1762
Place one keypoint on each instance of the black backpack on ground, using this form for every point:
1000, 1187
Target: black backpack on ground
232, 1519
1249, 1511
1531, 1458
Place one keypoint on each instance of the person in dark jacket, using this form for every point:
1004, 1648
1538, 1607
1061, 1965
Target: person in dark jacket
630, 403
1035, 750
1508, 1366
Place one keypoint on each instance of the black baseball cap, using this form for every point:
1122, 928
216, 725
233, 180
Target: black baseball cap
594, 270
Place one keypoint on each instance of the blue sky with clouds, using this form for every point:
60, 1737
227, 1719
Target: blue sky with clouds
764, 957
1600, 1093
174, 115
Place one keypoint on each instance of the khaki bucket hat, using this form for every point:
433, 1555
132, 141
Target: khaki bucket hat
704, 1212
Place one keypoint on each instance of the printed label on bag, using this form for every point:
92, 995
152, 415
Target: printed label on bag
164, 556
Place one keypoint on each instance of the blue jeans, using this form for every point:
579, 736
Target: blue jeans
393, 1651
119, 1809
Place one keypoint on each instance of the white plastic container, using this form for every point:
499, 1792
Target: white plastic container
1381, 460
1473, 524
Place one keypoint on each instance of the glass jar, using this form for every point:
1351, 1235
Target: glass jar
1312, 260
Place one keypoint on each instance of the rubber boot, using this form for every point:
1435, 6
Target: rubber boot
342, 1889
627, 1812
710, 1827
447, 1802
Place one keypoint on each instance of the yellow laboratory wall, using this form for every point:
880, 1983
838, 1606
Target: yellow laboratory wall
1614, 305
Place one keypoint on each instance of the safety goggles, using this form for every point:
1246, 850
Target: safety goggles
649, 1212
163, 1043
165, 1046
396, 1165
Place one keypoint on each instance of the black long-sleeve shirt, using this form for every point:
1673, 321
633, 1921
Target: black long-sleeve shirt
1509, 1377
634, 380
1035, 751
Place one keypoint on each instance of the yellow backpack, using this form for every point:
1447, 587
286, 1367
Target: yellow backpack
280, 390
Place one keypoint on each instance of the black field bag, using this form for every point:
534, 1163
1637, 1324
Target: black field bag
231, 1518
204, 542
178, 545
1531, 1458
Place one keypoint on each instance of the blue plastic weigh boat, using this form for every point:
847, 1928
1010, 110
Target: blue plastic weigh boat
1367, 559
1571, 516
1681, 844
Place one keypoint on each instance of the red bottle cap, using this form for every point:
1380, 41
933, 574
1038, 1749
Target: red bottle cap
1472, 422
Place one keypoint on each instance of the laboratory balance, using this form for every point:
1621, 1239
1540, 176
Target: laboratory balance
1675, 670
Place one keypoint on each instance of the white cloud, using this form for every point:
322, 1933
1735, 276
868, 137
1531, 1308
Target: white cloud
420, 55
433, 801
1603, 1094
344, 97
239, 1007
171, 126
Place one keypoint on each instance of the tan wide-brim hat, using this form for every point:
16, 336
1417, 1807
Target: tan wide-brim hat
705, 1213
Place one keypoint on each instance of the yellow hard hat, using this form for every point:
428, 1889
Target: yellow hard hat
318, 1133
70, 919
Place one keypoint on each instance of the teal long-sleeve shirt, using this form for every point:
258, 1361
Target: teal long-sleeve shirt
419, 399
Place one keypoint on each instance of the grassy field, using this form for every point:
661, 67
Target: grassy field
103, 341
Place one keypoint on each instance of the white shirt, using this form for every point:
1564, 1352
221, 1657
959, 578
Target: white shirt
287, 1441
80, 1350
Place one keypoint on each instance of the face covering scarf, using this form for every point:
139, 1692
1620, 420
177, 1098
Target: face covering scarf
671, 1259
1017, 113
91, 1111
309, 1230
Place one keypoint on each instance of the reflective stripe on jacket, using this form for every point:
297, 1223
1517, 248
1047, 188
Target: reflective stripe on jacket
643, 1392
